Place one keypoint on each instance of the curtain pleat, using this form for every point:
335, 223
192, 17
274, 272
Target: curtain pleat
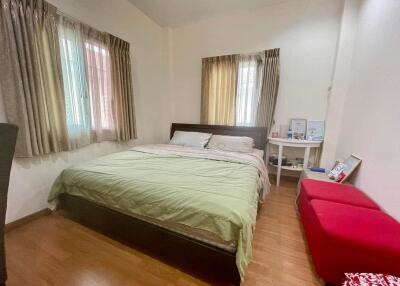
122, 88
218, 94
269, 90
30, 76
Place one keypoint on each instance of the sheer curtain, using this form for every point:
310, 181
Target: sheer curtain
248, 89
86, 69
75, 82
98, 65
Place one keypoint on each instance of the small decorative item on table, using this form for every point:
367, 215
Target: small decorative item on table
315, 130
274, 134
298, 127
298, 136
283, 131
337, 172
341, 171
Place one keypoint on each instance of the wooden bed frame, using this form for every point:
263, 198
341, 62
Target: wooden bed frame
205, 261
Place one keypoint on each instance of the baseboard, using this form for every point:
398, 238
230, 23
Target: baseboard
26, 219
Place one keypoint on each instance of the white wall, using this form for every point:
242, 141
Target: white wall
340, 81
31, 179
371, 116
306, 31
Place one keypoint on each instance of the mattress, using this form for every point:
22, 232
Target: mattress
208, 195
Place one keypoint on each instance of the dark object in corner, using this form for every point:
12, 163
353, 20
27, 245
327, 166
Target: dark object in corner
8, 138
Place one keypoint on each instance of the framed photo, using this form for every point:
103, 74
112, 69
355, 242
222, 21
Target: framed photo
315, 130
298, 127
350, 165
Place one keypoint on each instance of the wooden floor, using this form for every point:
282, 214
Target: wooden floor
55, 251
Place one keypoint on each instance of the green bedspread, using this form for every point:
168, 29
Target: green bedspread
217, 196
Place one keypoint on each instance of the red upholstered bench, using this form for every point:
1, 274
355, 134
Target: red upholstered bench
344, 238
339, 193
346, 194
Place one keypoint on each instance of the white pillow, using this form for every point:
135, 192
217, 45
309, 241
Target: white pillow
258, 152
231, 143
191, 139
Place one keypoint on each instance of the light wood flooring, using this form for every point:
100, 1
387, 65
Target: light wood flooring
53, 250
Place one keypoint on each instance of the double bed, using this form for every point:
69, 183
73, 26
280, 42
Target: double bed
195, 208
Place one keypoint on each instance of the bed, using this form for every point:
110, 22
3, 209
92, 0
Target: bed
173, 200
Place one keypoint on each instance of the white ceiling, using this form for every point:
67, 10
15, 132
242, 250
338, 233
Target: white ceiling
173, 13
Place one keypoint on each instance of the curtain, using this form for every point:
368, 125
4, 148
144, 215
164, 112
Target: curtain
86, 69
122, 88
98, 66
269, 89
240, 90
75, 82
30, 76
218, 92
248, 88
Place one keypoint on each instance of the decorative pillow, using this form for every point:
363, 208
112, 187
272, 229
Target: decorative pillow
191, 139
231, 143
369, 279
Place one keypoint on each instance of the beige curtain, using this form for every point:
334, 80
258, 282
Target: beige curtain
30, 76
269, 89
218, 91
122, 88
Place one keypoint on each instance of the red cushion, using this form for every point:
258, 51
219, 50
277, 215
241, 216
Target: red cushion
344, 238
333, 192
372, 229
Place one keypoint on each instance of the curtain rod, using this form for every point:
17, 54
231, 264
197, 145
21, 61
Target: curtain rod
63, 14
246, 54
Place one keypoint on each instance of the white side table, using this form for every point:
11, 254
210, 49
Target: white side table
280, 142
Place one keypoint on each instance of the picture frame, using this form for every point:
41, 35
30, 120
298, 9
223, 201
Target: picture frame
315, 130
298, 126
352, 163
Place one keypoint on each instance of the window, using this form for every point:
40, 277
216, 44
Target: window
240, 89
86, 72
248, 90
99, 79
74, 79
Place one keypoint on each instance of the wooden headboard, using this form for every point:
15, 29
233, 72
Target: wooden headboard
259, 134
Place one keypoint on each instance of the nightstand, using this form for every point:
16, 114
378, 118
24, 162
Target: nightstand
280, 142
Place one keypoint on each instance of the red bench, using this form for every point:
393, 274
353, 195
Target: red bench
346, 231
